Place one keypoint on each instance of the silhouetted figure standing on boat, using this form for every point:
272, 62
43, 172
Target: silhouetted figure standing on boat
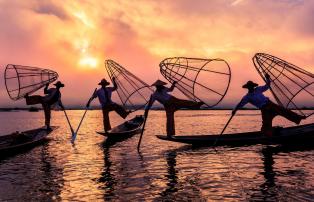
52, 97
104, 96
170, 103
269, 109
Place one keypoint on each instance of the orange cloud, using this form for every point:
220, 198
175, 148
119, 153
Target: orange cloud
75, 37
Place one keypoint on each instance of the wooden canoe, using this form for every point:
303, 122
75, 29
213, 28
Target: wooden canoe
295, 134
126, 129
19, 141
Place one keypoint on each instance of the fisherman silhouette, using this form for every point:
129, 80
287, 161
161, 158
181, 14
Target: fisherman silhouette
170, 103
104, 96
52, 97
269, 109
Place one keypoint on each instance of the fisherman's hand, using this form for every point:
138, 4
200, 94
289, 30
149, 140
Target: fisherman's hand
233, 112
267, 76
146, 113
174, 83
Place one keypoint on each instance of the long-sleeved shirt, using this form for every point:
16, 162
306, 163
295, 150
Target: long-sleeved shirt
161, 96
53, 96
256, 98
102, 95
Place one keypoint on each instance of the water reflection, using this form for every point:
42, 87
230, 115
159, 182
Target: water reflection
178, 188
272, 189
37, 168
172, 174
107, 179
52, 175
268, 188
95, 170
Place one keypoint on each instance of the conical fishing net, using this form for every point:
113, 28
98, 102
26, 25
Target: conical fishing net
291, 86
199, 79
22, 80
132, 91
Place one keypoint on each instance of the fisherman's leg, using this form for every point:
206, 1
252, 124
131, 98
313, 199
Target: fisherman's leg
120, 110
47, 111
267, 117
170, 122
288, 114
32, 100
106, 120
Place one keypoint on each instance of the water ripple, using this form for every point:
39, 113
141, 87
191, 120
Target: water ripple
163, 171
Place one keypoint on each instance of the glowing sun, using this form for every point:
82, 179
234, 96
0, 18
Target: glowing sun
88, 61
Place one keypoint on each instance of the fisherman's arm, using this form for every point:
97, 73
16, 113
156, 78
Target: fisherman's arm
267, 85
241, 104
60, 103
46, 91
172, 86
91, 99
115, 86
149, 105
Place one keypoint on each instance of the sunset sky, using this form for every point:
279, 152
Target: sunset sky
74, 37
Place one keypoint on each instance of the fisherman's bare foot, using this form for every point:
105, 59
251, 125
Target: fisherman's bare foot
300, 119
199, 104
127, 113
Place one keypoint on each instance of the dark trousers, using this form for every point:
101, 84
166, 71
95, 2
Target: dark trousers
112, 107
37, 99
270, 111
172, 106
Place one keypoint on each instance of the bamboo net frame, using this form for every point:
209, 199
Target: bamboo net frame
21, 80
205, 80
132, 91
289, 82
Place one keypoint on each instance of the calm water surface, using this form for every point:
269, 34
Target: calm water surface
89, 171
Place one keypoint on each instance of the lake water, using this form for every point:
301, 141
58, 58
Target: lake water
162, 171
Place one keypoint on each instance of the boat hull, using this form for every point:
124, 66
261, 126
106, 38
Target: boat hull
18, 142
290, 135
126, 129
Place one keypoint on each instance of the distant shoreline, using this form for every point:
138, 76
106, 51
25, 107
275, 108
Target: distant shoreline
33, 109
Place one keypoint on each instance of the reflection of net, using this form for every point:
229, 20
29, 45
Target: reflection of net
22, 80
291, 86
132, 91
199, 79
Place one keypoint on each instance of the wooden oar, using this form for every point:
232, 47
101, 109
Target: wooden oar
223, 130
140, 140
67, 118
78, 127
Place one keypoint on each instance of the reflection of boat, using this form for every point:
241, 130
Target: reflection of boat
19, 141
304, 133
125, 130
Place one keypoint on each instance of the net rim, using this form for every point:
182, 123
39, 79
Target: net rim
15, 67
120, 68
258, 67
208, 60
